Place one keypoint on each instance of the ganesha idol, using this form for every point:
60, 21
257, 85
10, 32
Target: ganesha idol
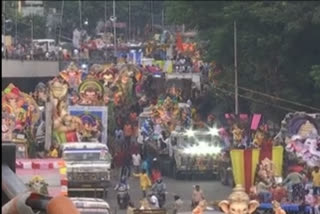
238, 202
306, 144
72, 75
20, 110
91, 93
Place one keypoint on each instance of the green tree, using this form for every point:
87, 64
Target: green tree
277, 46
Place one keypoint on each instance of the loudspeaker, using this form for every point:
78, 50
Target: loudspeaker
9, 155
9, 159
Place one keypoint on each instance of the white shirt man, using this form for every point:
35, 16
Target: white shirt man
136, 160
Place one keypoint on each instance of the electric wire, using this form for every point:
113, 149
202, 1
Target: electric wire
273, 97
255, 100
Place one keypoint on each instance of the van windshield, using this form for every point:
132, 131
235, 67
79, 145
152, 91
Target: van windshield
94, 155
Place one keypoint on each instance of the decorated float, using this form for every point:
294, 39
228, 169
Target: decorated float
300, 135
246, 147
20, 113
75, 106
195, 153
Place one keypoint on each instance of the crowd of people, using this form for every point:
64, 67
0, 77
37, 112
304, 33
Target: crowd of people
298, 187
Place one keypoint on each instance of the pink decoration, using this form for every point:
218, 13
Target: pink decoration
255, 121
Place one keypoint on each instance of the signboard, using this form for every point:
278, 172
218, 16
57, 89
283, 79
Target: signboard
95, 123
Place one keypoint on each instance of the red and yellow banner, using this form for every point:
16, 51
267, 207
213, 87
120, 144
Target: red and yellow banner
245, 162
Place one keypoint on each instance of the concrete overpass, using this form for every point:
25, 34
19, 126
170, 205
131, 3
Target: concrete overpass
27, 74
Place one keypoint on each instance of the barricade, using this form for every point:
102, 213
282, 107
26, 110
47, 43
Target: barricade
64, 186
35, 165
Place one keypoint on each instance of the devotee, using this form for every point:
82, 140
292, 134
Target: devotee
296, 182
145, 182
136, 160
200, 208
197, 196
177, 204
316, 181
263, 191
278, 193
131, 208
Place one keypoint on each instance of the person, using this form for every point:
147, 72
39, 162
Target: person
144, 204
159, 188
309, 199
200, 208
316, 181
145, 182
53, 153
263, 191
163, 141
154, 202
278, 193
127, 130
155, 175
122, 188
136, 161
177, 204
295, 180
131, 208
126, 169
197, 196
145, 166
119, 137
317, 205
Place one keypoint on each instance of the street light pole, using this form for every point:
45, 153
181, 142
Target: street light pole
4, 18
235, 70
61, 16
105, 16
114, 28
129, 27
16, 23
31, 39
151, 4
80, 14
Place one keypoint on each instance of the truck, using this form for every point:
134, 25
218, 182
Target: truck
194, 156
88, 167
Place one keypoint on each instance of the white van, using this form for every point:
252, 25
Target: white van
47, 45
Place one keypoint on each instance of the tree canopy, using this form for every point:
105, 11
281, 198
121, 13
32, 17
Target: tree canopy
278, 48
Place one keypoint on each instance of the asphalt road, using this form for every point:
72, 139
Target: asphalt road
213, 190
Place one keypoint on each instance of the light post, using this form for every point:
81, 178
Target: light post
235, 70
80, 14
31, 39
113, 19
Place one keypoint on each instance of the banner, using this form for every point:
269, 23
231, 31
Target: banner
255, 121
245, 162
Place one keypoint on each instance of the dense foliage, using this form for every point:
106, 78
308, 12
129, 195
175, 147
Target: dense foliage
278, 49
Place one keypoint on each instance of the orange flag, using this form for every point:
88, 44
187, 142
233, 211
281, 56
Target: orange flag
179, 44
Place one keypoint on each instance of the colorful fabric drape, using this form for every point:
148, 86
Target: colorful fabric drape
245, 162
